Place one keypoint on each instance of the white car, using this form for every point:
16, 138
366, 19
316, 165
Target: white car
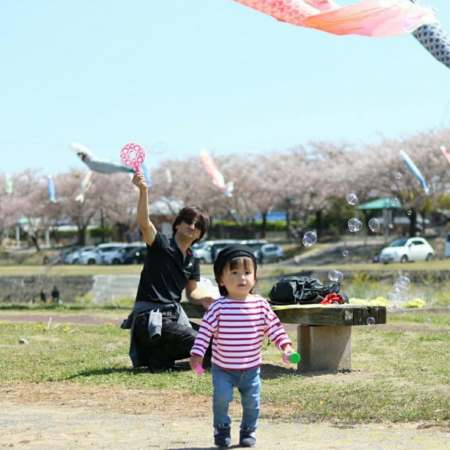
112, 253
407, 249
255, 245
74, 257
90, 257
202, 251
270, 253
98, 254
206, 251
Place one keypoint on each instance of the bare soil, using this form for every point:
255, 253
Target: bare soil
67, 416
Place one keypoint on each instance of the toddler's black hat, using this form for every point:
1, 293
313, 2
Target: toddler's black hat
228, 253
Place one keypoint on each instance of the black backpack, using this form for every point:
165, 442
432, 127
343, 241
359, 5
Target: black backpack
302, 290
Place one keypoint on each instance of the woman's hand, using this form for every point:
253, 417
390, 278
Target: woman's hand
139, 181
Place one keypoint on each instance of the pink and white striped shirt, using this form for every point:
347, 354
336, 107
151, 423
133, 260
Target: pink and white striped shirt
238, 328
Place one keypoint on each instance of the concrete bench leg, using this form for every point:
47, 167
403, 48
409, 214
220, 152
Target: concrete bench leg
324, 348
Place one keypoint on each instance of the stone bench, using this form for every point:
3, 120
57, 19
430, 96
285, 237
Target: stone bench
324, 332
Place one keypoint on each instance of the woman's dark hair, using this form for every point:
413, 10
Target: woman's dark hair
233, 264
188, 215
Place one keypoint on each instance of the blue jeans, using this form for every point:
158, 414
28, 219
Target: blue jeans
249, 384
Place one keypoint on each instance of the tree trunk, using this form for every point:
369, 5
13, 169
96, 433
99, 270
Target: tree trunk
121, 231
102, 225
34, 239
209, 232
319, 223
412, 222
424, 225
263, 224
288, 222
81, 235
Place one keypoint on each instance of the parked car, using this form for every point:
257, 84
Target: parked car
92, 256
254, 244
217, 246
407, 249
74, 256
112, 253
202, 251
133, 254
269, 253
206, 251
96, 255
447, 246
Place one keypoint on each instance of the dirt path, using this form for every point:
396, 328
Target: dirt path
68, 417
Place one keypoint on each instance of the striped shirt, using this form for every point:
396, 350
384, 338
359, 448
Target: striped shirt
237, 328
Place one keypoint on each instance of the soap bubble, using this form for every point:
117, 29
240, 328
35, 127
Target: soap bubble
354, 225
374, 225
409, 212
371, 321
335, 275
345, 253
398, 175
352, 198
403, 282
400, 290
309, 238
395, 299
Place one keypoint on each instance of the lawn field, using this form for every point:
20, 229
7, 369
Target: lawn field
207, 270
400, 370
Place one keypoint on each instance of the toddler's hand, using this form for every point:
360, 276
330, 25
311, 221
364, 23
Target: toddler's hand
287, 349
289, 356
196, 363
206, 302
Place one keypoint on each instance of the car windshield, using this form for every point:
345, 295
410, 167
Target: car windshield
219, 246
134, 249
255, 245
398, 243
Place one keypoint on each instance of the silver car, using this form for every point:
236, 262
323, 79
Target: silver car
74, 257
270, 253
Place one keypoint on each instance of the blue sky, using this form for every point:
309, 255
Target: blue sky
180, 75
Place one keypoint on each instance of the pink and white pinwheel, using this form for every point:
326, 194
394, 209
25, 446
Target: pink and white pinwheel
366, 17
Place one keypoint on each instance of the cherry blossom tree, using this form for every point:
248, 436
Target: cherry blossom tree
79, 213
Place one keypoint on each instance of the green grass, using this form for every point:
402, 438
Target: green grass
207, 270
401, 371
69, 270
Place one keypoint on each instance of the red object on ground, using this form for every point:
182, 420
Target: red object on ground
332, 298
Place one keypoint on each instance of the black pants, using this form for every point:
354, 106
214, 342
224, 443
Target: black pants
175, 343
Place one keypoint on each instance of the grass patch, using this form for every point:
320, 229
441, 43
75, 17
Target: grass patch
401, 371
266, 270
